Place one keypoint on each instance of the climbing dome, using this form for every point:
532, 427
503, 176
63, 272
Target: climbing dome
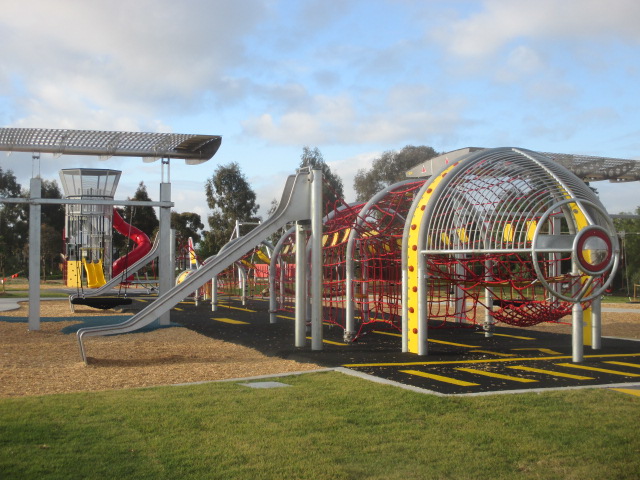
502, 235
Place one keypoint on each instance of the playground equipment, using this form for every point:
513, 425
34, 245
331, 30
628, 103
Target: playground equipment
88, 228
88, 238
194, 149
500, 235
95, 297
494, 235
510, 228
503, 235
301, 199
142, 248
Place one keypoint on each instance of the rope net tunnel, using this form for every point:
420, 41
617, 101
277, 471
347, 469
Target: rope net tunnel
488, 239
472, 234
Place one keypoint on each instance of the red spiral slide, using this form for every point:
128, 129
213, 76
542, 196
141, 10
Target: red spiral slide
143, 245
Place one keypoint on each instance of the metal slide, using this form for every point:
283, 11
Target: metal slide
294, 205
153, 253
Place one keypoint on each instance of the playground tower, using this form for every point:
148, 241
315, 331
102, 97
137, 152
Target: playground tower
88, 228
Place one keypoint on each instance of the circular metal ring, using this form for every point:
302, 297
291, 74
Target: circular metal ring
593, 250
591, 270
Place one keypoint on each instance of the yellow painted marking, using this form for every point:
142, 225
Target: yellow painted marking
491, 360
412, 257
548, 351
178, 309
440, 378
285, 317
329, 342
595, 369
549, 372
231, 321
508, 336
630, 391
462, 235
508, 233
142, 300
498, 354
389, 333
237, 308
451, 343
496, 375
624, 364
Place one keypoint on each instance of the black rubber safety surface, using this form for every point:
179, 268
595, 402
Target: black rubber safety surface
460, 360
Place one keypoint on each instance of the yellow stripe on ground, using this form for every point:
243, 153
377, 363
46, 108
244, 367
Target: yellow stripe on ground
231, 321
451, 343
491, 360
595, 369
630, 391
177, 309
285, 317
498, 354
329, 342
624, 364
496, 375
508, 336
440, 378
236, 308
541, 350
389, 333
549, 372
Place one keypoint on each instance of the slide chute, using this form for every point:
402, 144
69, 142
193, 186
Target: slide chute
143, 245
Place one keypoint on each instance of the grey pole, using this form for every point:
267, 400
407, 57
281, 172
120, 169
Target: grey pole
276, 261
164, 260
577, 333
172, 250
35, 218
316, 260
301, 284
596, 323
488, 300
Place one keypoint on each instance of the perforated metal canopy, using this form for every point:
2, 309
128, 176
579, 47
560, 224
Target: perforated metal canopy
194, 149
586, 167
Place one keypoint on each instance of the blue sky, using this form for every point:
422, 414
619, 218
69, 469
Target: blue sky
353, 78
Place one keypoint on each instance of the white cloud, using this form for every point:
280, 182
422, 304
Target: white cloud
73, 60
347, 169
501, 22
401, 113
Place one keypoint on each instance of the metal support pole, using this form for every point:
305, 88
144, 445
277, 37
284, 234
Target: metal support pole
165, 263
316, 260
488, 301
214, 293
576, 338
596, 323
301, 284
35, 218
172, 250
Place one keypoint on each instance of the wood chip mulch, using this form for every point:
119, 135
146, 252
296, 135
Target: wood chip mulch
48, 361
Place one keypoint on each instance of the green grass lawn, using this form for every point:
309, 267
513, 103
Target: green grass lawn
324, 426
